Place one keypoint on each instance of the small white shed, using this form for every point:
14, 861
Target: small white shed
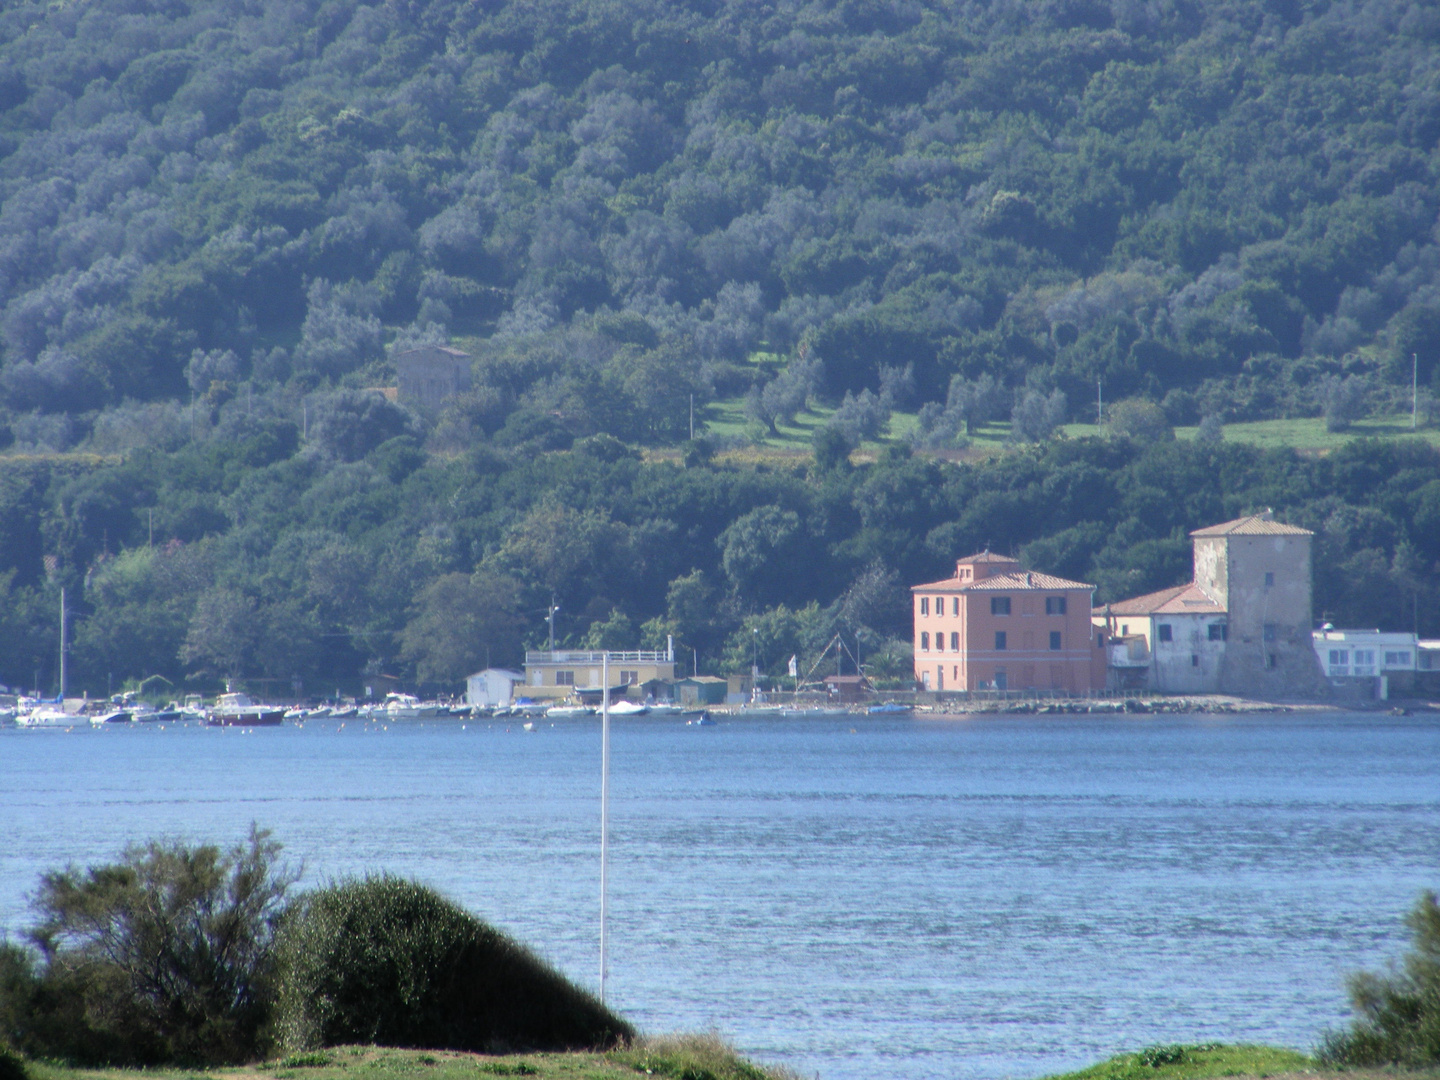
493, 686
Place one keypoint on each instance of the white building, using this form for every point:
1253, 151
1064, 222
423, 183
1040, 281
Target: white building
1364, 653
1176, 637
1382, 660
493, 686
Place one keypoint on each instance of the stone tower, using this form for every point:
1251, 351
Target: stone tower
1259, 570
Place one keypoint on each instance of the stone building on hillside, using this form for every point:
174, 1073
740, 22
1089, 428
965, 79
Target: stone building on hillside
430, 375
1242, 626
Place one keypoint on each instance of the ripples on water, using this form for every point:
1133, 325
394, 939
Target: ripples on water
978, 898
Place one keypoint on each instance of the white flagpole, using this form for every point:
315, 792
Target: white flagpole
604, 808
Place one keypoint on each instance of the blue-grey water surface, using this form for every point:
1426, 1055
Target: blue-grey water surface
990, 897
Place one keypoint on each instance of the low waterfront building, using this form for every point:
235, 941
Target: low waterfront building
491, 687
1375, 662
994, 626
1174, 639
702, 690
564, 672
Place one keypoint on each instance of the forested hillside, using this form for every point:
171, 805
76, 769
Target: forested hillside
219, 219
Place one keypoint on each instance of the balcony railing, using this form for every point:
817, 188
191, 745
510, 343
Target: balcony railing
580, 656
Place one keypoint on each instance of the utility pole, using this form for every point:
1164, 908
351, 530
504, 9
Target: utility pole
692, 417
604, 811
550, 618
1099, 405
62, 643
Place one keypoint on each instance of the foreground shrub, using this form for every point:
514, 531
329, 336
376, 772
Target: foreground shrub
1398, 1015
161, 957
391, 962
11, 1067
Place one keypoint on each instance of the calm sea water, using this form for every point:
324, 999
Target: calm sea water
978, 898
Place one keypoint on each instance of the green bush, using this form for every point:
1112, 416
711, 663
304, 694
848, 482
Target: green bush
1398, 1015
162, 957
11, 1067
390, 962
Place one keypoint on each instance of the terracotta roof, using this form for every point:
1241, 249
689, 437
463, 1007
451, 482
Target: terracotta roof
986, 557
1019, 581
1253, 525
1187, 599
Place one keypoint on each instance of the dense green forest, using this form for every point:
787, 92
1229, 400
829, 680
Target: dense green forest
218, 221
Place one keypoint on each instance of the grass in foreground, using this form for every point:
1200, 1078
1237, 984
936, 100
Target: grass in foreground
695, 1057
1196, 1062
1209, 1061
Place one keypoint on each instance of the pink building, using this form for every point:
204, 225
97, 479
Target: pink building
994, 626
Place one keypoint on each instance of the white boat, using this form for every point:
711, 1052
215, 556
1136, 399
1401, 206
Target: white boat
42, 717
628, 708
237, 710
112, 716
666, 710
409, 707
568, 712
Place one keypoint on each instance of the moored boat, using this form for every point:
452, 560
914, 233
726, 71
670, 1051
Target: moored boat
409, 707
628, 708
237, 710
42, 717
569, 712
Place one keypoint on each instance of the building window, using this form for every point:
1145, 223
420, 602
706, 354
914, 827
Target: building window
1054, 605
954, 641
1194, 660
1163, 632
940, 677
999, 640
1124, 629
1269, 579
940, 641
1054, 640
1217, 631
924, 641
1399, 659
924, 605
1364, 661
1339, 661
999, 605
629, 678
564, 678
1002, 680
955, 606
1269, 631
1270, 661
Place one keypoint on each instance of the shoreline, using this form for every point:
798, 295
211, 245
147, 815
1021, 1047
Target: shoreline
1137, 705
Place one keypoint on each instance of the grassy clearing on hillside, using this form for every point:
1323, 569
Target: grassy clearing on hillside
1307, 433
682, 1058
727, 420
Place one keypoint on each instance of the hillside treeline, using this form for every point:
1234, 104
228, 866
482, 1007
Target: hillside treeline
1225, 206
273, 559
